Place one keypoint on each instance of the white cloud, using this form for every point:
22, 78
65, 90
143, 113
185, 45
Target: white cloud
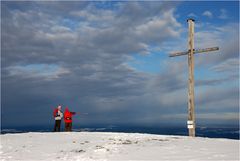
224, 37
226, 66
93, 56
208, 14
43, 71
192, 15
94, 15
223, 14
159, 28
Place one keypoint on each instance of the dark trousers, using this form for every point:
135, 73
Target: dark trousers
57, 125
68, 126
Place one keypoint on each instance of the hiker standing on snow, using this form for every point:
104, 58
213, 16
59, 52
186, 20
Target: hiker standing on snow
57, 116
68, 119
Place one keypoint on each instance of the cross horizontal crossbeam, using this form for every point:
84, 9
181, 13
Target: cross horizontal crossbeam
194, 51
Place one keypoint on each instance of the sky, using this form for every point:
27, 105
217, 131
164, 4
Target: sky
111, 60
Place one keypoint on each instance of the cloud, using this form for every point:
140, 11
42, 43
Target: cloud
92, 14
83, 61
207, 14
211, 36
148, 30
213, 82
226, 66
76, 54
223, 14
216, 116
192, 15
207, 117
39, 71
216, 73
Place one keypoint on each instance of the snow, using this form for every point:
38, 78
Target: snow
100, 146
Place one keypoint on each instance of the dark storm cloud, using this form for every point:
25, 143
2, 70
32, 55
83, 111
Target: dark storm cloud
76, 53
89, 59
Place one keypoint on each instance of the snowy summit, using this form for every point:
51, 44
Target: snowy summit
89, 146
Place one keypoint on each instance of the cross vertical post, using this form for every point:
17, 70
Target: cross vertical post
191, 124
191, 112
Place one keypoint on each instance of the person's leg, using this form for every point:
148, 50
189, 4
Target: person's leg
70, 126
58, 125
66, 126
55, 126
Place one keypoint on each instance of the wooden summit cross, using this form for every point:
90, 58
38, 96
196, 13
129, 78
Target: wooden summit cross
191, 114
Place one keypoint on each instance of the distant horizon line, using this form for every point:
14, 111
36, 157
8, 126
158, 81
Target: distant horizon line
125, 125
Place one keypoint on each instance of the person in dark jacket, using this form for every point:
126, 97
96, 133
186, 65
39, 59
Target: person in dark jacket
68, 119
57, 114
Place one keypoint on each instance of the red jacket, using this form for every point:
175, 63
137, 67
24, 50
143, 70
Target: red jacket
55, 112
68, 116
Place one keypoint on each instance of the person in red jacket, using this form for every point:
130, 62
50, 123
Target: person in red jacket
68, 119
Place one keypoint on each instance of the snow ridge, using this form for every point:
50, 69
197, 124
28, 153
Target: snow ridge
105, 146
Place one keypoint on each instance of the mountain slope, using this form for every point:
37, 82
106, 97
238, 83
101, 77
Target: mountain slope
114, 146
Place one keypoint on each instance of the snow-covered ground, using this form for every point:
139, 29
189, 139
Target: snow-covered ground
89, 146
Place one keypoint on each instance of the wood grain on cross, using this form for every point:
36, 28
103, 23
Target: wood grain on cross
191, 51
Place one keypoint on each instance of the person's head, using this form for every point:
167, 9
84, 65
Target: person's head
59, 107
